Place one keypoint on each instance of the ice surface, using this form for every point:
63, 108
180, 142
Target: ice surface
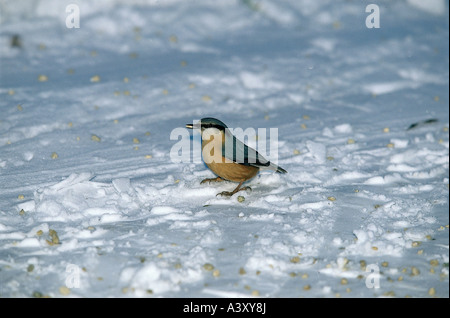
88, 189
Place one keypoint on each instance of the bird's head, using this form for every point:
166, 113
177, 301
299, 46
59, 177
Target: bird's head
208, 126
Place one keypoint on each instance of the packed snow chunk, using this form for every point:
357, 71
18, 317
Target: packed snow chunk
122, 185
270, 179
29, 242
388, 179
148, 277
400, 168
436, 7
161, 210
317, 151
343, 129
28, 155
27, 206
327, 132
251, 80
400, 143
70, 181
361, 235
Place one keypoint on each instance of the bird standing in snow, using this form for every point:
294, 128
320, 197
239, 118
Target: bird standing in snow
229, 158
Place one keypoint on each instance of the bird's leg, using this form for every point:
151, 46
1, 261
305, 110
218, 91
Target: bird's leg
238, 188
218, 179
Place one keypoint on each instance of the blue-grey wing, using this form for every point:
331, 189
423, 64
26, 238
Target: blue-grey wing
235, 150
238, 152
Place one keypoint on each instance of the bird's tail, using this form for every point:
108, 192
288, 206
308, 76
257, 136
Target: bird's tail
281, 170
276, 168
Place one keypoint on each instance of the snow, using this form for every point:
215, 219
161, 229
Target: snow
92, 204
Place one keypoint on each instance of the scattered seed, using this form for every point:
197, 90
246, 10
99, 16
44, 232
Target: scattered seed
363, 264
295, 259
54, 155
177, 266
208, 267
242, 271
95, 138
432, 291
63, 290
416, 243
20, 197
307, 287
95, 79
386, 129
37, 294
434, 262
30, 268
216, 273
331, 198
206, 98
54, 238
173, 39
42, 78
240, 198
344, 281
415, 271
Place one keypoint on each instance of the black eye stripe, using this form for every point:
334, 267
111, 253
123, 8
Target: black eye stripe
212, 126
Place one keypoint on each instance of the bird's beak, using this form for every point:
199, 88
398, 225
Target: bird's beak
193, 126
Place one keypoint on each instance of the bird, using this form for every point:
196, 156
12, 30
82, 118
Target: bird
228, 157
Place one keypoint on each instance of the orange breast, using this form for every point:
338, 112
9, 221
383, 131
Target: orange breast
225, 168
233, 171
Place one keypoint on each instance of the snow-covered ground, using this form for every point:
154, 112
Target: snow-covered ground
92, 204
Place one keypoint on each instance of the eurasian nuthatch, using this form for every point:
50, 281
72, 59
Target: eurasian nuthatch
228, 157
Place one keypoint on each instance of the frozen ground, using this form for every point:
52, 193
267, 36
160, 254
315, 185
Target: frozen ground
92, 205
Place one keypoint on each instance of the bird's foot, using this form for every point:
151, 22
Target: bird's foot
218, 179
229, 194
